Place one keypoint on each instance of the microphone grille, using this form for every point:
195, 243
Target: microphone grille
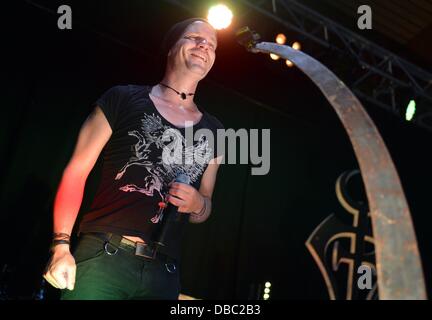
183, 178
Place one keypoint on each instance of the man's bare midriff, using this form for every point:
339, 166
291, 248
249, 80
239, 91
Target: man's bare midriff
134, 239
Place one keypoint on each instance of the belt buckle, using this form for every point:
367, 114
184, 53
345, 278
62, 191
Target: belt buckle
144, 250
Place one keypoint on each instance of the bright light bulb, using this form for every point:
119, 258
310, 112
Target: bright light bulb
296, 45
289, 63
410, 111
267, 284
274, 56
266, 296
219, 16
280, 38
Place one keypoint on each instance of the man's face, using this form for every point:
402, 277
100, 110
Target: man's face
195, 50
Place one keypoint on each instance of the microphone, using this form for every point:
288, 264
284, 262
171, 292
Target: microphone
247, 38
170, 212
181, 178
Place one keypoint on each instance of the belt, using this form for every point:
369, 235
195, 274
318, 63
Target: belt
140, 249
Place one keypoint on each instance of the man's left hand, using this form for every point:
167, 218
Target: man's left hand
185, 197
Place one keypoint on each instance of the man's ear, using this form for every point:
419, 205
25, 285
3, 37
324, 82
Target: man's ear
170, 53
172, 49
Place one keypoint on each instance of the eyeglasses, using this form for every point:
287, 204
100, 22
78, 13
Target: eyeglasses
200, 40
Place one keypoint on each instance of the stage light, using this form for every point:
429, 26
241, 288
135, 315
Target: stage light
410, 110
274, 56
267, 286
289, 63
220, 16
296, 45
280, 38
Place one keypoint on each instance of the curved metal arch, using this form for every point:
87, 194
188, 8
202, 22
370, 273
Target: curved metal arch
399, 269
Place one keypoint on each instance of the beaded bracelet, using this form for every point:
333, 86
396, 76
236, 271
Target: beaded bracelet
203, 209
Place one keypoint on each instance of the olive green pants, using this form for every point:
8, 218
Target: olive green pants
113, 272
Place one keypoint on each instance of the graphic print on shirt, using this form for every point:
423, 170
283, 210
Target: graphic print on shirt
170, 144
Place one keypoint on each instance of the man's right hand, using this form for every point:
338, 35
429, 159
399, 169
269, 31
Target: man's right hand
93, 136
61, 268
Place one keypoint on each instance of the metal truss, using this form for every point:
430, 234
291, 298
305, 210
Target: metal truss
375, 75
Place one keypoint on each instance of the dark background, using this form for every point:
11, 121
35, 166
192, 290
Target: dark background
259, 224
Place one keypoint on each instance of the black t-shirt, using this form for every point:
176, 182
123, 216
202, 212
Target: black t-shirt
139, 161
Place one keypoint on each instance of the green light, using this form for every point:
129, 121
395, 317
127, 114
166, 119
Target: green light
410, 111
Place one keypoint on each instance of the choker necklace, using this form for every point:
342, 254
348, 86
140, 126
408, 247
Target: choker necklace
181, 94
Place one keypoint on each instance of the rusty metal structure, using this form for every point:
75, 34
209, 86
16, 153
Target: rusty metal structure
399, 269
